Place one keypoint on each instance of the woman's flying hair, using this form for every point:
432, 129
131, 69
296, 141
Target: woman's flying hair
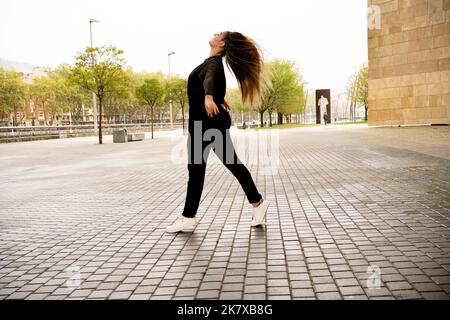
244, 58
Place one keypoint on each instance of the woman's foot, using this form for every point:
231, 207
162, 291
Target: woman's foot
259, 213
182, 224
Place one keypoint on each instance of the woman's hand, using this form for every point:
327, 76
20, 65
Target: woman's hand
227, 106
210, 106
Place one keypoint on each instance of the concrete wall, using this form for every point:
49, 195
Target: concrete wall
409, 62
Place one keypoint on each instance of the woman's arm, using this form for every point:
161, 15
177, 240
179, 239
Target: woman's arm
209, 88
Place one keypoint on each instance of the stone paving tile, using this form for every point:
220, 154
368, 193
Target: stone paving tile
186, 292
37, 296
100, 294
122, 295
231, 295
345, 200
406, 294
208, 294
254, 296
141, 296
351, 290
329, 296
303, 293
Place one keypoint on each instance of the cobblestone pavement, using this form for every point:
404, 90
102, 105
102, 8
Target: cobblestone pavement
81, 220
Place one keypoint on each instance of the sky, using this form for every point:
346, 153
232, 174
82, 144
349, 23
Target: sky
326, 38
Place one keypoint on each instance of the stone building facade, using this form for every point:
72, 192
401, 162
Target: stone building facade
409, 62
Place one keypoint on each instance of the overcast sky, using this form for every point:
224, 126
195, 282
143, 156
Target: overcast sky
327, 38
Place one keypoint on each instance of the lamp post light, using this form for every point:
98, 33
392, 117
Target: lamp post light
170, 101
94, 98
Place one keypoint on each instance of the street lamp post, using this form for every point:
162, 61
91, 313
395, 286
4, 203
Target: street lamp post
94, 98
170, 102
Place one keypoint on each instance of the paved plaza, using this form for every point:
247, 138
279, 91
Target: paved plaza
357, 213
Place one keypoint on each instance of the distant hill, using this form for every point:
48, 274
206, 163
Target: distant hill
16, 66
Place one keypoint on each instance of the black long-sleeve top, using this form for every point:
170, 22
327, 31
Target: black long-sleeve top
206, 79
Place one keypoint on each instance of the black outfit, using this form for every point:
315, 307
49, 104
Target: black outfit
209, 79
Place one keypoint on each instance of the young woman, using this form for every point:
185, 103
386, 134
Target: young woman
209, 118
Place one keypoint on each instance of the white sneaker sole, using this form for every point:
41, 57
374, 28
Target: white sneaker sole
189, 228
183, 230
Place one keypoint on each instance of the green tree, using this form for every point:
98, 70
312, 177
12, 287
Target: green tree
69, 97
350, 91
43, 89
133, 104
100, 70
176, 91
55, 93
285, 93
120, 99
362, 90
12, 94
150, 93
234, 99
357, 90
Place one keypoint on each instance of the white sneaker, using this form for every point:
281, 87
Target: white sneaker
259, 213
182, 224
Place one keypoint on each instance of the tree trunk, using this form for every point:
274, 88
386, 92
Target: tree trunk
366, 111
151, 114
100, 107
182, 116
280, 118
270, 119
46, 121
261, 118
15, 117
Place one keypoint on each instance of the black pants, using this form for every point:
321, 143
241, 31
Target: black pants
199, 145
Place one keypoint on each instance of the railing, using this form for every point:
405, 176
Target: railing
26, 131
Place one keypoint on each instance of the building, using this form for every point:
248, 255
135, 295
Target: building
36, 113
409, 62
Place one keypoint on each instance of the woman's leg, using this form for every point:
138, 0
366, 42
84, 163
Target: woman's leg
197, 168
231, 161
194, 189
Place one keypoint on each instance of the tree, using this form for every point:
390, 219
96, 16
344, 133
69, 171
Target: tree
357, 90
362, 90
50, 91
69, 97
285, 93
100, 70
151, 93
234, 99
120, 99
176, 91
12, 94
351, 93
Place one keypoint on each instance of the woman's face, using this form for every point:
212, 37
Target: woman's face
217, 41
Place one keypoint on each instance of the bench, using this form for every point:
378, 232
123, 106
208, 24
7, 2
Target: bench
136, 136
122, 136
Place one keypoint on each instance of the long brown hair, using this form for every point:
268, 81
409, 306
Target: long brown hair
245, 59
